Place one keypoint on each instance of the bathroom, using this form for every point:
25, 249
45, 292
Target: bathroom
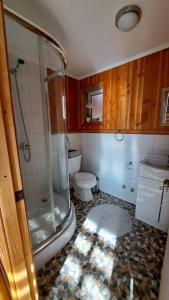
86, 150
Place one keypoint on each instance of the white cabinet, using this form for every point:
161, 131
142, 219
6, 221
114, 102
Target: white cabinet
149, 196
152, 206
164, 213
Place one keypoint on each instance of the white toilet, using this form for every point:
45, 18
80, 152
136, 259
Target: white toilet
82, 182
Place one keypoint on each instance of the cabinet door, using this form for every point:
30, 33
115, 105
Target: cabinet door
148, 200
164, 216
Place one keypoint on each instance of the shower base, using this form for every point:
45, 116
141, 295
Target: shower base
43, 220
57, 241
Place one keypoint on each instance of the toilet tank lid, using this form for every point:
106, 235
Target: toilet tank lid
85, 177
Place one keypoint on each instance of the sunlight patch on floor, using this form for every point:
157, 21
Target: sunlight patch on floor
103, 261
71, 271
82, 244
93, 288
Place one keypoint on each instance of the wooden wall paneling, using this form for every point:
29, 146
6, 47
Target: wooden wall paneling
134, 84
10, 181
146, 93
55, 93
111, 109
128, 95
72, 103
120, 97
132, 95
155, 103
82, 112
162, 82
108, 104
139, 96
149, 91
134, 80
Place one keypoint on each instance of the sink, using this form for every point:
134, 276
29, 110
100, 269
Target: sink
156, 168
155, 163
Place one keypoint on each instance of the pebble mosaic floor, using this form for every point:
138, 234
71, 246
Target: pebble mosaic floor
89, 268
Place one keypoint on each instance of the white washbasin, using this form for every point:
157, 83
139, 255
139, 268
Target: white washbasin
154, 163
154, 168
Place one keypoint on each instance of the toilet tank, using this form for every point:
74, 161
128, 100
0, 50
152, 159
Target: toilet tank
74, 164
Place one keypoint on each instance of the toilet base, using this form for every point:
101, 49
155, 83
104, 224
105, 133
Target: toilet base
84, 195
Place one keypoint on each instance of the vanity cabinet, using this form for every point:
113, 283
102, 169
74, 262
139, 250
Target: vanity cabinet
152, 205
148, 200
164, 214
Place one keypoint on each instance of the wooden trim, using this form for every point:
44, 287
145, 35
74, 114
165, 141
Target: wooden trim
17, 257
4, 285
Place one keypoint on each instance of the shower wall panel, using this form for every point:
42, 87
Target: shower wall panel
34, 172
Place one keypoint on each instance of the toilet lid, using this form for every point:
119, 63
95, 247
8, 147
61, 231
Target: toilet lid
85, 177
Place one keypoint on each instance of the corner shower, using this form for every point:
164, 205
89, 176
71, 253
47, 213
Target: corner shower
37, 63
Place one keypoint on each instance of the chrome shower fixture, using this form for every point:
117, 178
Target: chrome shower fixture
20, 61
25, 146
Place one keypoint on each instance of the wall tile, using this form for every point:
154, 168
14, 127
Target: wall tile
34, 173
161, 145
74, 139
110, 160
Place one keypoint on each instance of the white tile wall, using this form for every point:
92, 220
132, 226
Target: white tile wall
109, 159
34, 173
74, 140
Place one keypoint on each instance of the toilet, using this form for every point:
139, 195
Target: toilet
82, 182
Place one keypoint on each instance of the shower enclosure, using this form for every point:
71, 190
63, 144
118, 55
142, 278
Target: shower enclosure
37, 64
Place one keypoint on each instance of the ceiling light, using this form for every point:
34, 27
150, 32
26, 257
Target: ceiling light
128, 17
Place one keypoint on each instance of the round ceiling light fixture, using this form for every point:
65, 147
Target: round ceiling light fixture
128, 17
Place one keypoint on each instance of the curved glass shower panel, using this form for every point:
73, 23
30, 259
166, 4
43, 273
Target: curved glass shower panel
53, 71
29, 115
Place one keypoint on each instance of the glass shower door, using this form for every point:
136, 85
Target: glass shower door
53, 74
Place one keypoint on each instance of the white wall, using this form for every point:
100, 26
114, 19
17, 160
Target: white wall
108, 159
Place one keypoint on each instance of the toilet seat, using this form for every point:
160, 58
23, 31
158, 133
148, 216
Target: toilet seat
85, 178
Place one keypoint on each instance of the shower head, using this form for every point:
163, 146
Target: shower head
20, 61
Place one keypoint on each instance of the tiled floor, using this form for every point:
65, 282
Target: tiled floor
87, 268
